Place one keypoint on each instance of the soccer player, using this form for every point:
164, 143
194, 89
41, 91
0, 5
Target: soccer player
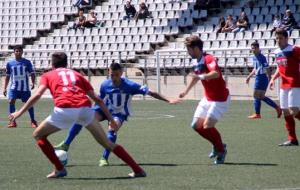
288, 59
17, 71
70, 91
117, 93
262, 74
216, 98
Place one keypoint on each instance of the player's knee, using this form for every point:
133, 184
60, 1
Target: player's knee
194, 124
12, 102
286, 112
36, 135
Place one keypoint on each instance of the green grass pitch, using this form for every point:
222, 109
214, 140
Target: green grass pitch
173, 155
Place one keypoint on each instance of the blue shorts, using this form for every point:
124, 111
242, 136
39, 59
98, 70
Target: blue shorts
261, 82
118, 117
23, 95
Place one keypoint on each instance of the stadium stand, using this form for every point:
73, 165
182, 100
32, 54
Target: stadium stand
34, 24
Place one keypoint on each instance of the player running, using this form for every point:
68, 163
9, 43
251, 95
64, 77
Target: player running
17, 71
288, 60
216, 98
262, 74
117, 93
70, 91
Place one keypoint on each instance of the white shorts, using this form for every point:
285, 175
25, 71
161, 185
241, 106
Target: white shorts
63, 118
289, 98
214, 110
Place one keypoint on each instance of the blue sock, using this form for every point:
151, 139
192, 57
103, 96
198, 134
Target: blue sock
31, 113
73, 131
270, 102
112, 136
12, 108
257, 105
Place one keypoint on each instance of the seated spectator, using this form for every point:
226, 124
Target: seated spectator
276, 23
229, 25
143, 12
130, 11
91, 21
242, 24
288, 22
80, 21
81, 3
221, 24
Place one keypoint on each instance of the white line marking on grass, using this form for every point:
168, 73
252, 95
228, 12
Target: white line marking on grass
296, 188
159, 116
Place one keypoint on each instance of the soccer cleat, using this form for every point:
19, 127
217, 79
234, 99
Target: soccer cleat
103, 162
220, 159
135, 175
279, 112
254, 116
12, 125
62, 146
289, 143
214, 152
57, 174
34, 124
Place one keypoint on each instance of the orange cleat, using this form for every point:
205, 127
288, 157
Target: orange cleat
12, 125
279, 112
254, 116
34, 124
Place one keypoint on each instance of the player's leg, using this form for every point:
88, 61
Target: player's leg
98, 133
112, 136
40, 134
24, 97
257, 101
295, 94
12, 96
285, 103
72, 133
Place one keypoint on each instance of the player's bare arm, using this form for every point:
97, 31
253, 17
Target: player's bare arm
100, 102
5, 85
190, 86
250, 75
32, 100
163, 98
274, 77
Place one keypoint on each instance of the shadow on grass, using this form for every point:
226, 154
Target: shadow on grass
96, 178
112, 165
249, 164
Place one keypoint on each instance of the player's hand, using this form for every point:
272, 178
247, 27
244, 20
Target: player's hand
113, 124
4, 92
182, 95
272, 83
175, 100
247, 80
14, 116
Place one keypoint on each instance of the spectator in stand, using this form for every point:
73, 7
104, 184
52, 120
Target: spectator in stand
130, 11
143, 12
81, 3
221, 24
91, 20
80, 21
229, 25
288, 22
276, 23
242, 23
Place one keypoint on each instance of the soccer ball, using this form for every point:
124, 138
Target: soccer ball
62, 156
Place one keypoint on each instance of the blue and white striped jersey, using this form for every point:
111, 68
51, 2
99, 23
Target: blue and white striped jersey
19, 72
260, 64
118, 98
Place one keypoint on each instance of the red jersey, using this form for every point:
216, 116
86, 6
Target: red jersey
214, 89
68, 88
288, 60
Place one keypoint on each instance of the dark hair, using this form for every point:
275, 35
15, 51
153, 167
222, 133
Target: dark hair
280, 31
116, 67
59, 59
18, 47
194, 41
255, 44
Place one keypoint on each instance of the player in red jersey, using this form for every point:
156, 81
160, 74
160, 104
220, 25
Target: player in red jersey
288, 60
70, 91
216, 98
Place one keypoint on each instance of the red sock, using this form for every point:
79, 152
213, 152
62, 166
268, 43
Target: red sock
298, 116
212, 135
48, 150
290, 127
123, 155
